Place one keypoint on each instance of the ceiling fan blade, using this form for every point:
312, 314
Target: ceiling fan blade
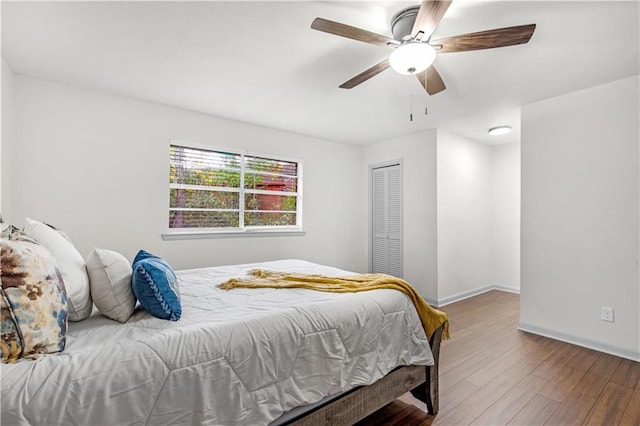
499, 37
366, 75
429, 16
431, 80
348, 31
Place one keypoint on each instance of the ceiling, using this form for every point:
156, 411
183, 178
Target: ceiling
259, 62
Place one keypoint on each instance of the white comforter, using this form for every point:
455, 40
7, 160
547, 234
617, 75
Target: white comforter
237, 357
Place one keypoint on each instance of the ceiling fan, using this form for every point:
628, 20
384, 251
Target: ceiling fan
415, 51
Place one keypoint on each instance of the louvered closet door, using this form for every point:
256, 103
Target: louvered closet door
386, 244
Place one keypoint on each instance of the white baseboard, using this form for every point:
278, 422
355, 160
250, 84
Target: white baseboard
467, 294
506, 288
432, 302
574, 340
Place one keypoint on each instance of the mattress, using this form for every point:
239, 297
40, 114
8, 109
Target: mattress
237, 357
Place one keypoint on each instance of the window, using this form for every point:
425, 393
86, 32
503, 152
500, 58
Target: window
213, 190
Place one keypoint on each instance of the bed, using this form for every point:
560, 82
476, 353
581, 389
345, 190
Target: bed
236, 357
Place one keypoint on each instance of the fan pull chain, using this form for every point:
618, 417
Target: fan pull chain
410, 106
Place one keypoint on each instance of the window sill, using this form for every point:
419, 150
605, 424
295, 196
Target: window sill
250, 233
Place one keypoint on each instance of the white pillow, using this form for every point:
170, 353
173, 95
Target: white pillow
71, 266
110, 282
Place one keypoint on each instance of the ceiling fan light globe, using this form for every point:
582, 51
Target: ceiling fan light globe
412, 58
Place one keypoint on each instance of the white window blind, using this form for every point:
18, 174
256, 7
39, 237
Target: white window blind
224, 190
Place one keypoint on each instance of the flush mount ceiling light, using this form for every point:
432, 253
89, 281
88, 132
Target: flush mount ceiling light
500, 130
412, 57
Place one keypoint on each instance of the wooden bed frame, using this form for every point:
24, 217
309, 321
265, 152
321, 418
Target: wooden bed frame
358, 403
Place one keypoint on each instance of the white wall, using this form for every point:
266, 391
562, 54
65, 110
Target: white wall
418, 154
461, 212
6, 151
505, 215
464, 215
96, 165
580, 217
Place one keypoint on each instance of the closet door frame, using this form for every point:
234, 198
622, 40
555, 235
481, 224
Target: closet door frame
370, 233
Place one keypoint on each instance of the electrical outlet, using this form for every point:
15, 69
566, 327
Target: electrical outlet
606, 314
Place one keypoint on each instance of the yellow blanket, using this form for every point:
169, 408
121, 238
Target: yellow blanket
431, 318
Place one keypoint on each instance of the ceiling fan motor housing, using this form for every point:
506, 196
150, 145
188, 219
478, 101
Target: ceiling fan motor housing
402, 23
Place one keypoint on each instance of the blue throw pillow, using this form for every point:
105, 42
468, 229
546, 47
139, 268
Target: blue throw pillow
156, 286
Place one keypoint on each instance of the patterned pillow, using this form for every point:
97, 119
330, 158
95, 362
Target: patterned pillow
13, 233
156, 286
34, 301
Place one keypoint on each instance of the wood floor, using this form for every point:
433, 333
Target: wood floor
493, 374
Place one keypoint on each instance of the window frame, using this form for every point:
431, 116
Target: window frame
242, 230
